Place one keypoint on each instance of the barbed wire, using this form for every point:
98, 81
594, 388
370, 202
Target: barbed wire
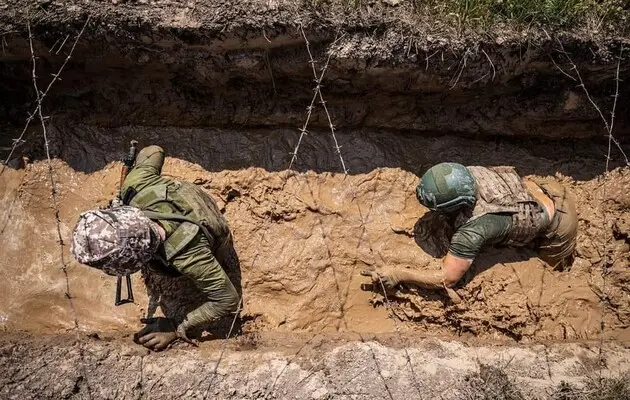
611, 139
390, 314
388, 306
309, 110
303, 132
353, 188
608, 125
378, 367
264, 228
54, 191
318, 91
41, 95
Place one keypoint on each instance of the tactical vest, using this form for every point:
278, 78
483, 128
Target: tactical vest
500, 190
197, 211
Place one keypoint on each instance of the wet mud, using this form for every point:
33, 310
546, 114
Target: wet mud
303, 237
225, 87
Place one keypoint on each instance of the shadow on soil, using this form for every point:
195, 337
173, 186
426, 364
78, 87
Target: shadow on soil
89, 148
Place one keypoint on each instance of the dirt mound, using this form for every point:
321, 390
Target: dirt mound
303, 238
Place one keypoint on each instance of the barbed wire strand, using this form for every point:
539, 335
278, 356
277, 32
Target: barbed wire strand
337, 148
391, 315
378, 366
318, 91
303, 131
611, 139
224, 346
264, 228
390, 310
608, 126
42, 95
55, 202
311, 106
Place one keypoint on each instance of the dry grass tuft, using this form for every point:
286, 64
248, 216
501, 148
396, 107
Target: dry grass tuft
617, 388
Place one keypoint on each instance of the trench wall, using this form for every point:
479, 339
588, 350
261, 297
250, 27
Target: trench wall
226, 98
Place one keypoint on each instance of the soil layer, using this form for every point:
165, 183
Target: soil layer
303, 238
276, 366
225, 87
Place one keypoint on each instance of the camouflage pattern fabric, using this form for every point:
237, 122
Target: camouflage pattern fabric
500, 190
119, 240
199, 258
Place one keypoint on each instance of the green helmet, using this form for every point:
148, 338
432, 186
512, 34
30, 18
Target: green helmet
446, 187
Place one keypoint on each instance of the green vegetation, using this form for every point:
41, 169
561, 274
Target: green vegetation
491, 383
567, 14
587, 15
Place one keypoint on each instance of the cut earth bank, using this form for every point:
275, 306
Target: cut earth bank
225, 104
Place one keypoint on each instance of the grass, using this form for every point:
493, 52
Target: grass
566, 14
491, 383
592, 15
617, 388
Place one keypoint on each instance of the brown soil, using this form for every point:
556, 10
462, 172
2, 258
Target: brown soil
281, 366
223, 87
303, 238
219, 64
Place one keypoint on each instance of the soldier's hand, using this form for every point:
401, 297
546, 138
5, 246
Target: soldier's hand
385, 275
158, 333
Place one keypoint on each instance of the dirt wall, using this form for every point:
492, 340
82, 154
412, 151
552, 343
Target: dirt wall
224, 88
313, 367
247, 65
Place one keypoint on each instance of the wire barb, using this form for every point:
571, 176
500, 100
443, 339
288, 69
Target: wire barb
318, 93
41, 95
53, 184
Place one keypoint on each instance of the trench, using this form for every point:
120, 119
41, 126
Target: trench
228, 109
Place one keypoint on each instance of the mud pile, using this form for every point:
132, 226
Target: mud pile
225, 89
303, 238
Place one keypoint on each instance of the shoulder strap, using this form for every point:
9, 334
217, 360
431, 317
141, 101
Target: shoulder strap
181, 218
159, 265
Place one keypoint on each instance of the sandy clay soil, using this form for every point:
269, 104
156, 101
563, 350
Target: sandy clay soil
303, 237
224, 88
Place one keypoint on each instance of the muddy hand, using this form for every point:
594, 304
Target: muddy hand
157, 340
159, 333
181, 334
382, 275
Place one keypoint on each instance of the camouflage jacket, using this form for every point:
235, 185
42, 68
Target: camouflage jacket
188, 248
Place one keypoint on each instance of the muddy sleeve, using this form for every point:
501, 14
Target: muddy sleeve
486, 230
150, 159
146, 171
198, 263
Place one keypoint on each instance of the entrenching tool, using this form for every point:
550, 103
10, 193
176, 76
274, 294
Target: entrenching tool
128, 162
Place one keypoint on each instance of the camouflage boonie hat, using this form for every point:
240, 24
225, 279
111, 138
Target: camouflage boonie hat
117, 240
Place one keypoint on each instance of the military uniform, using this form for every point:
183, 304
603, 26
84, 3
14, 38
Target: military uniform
198, 239
506, 213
